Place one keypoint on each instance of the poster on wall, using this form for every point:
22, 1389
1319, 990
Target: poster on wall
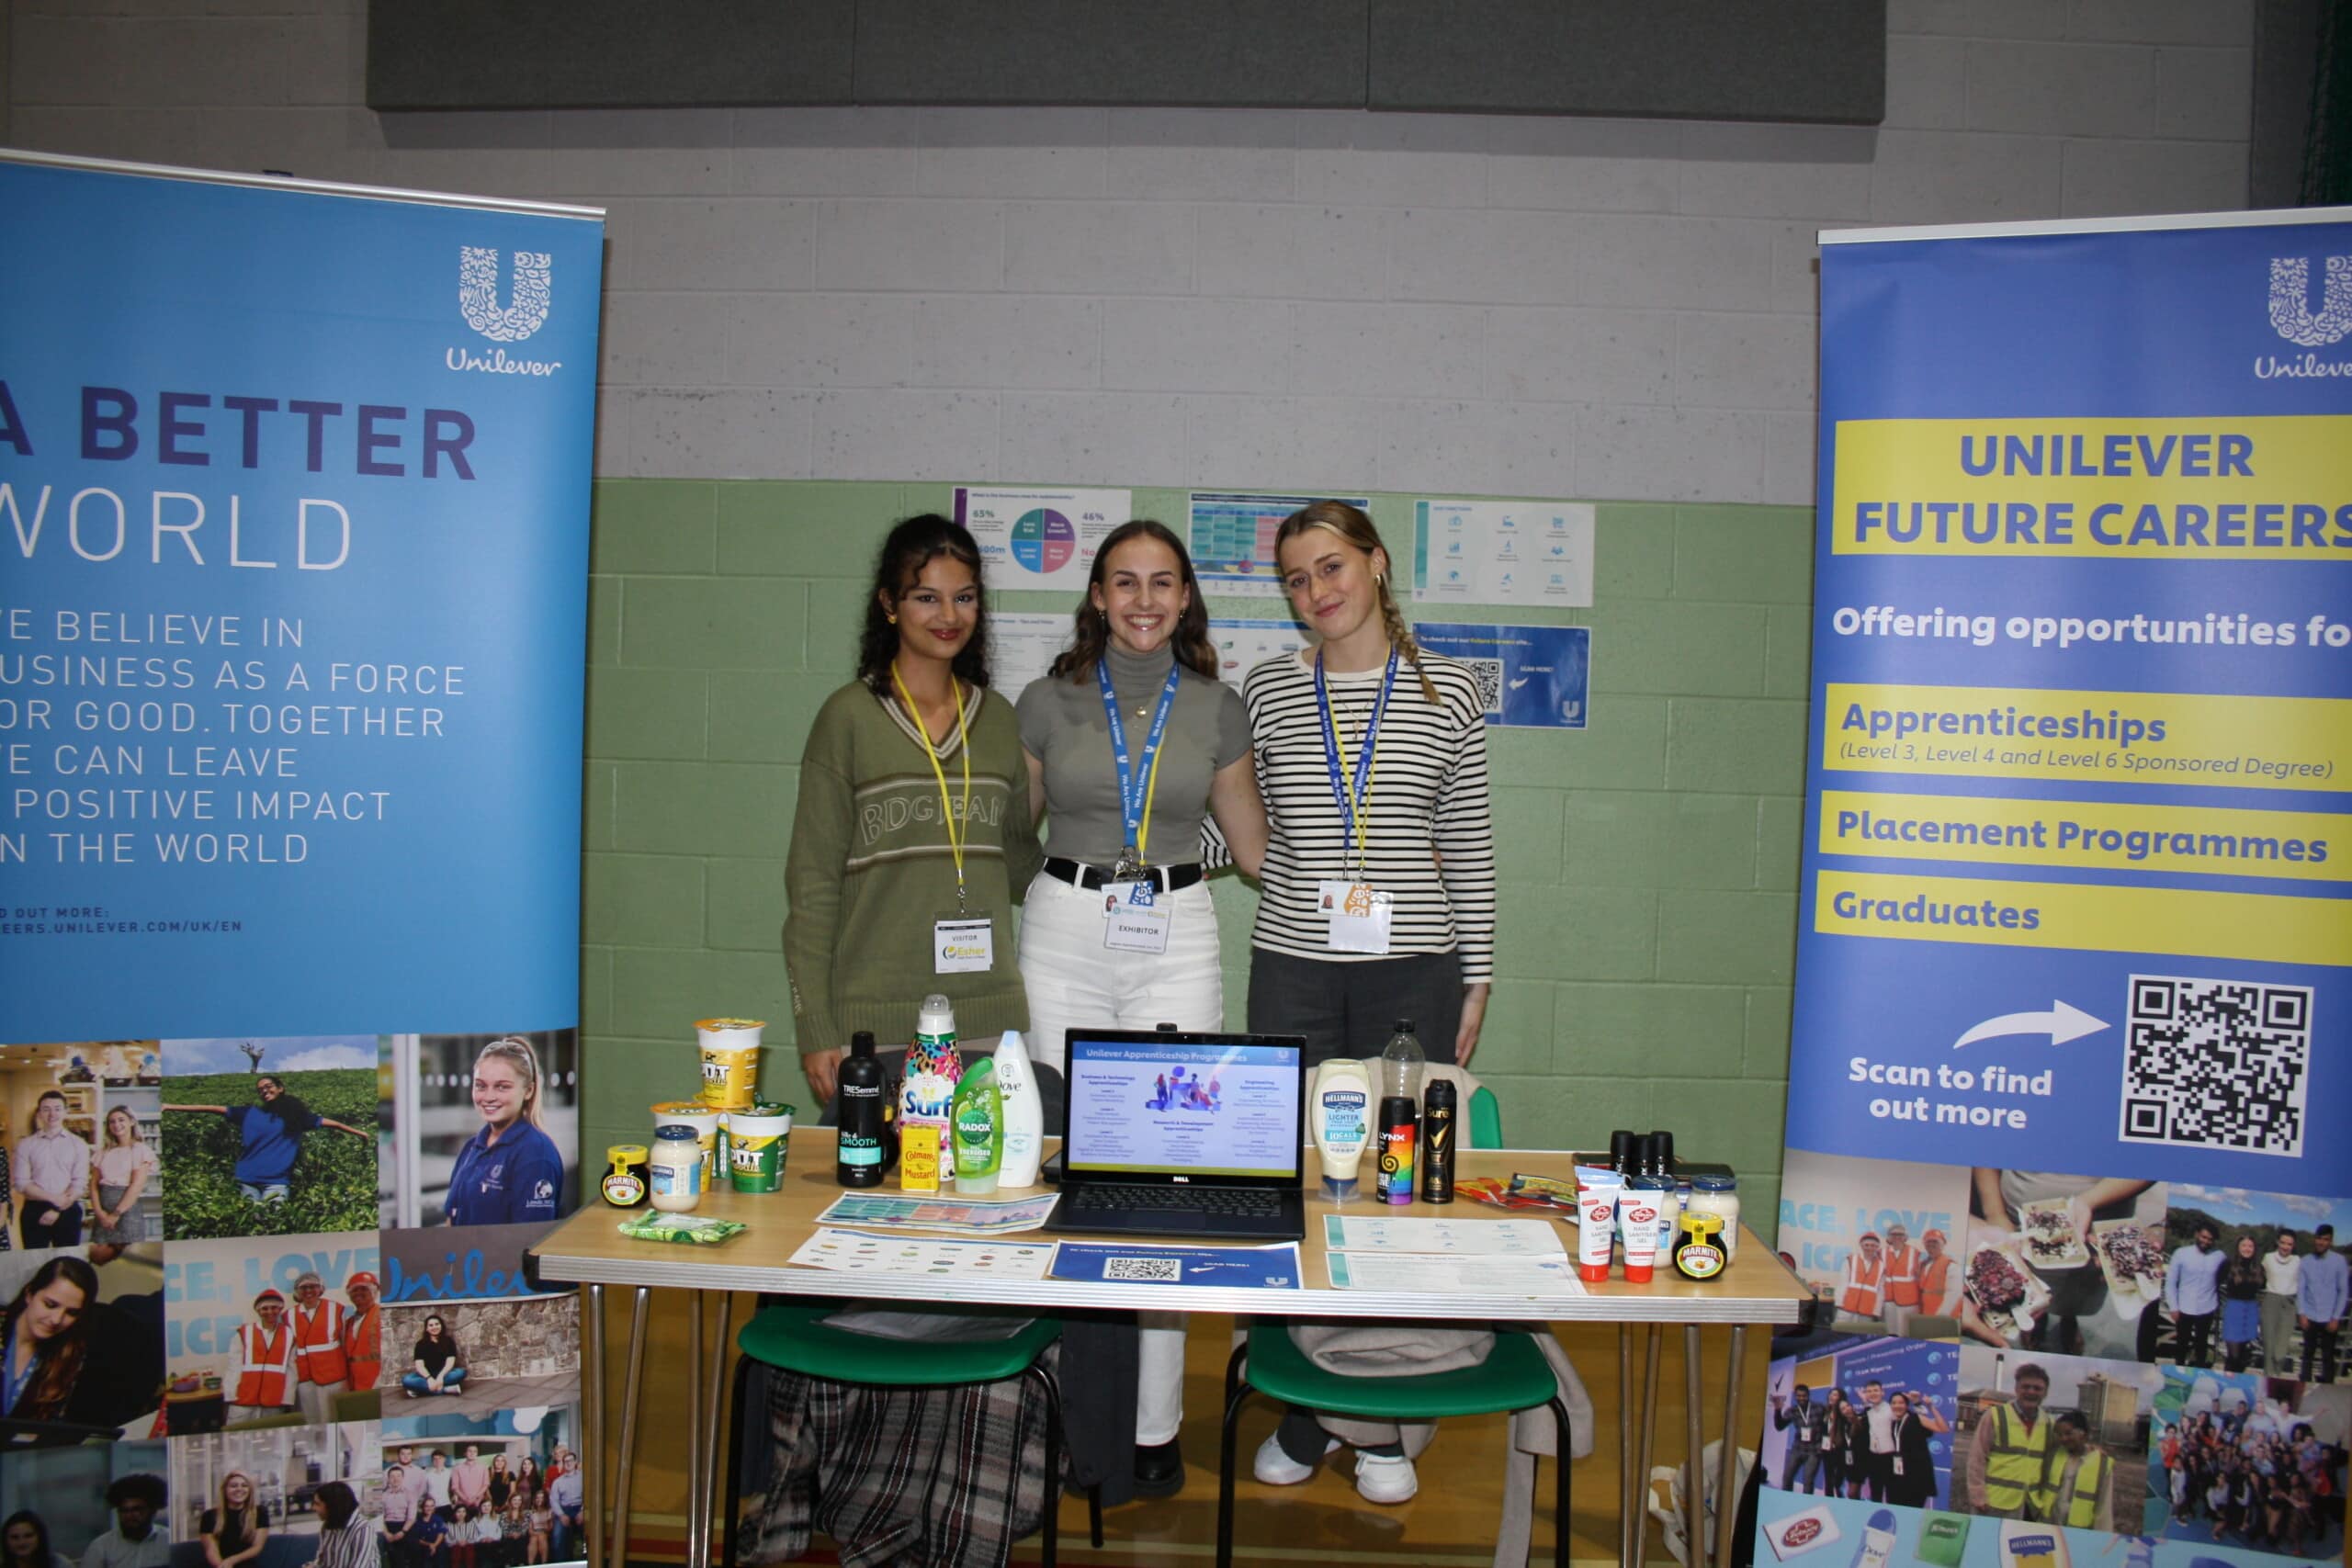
1039, 538
2073, 1020
1503, 552
1230, 537
294, 497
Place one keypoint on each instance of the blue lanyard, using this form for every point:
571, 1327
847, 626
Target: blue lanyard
1351, 800
1136, 785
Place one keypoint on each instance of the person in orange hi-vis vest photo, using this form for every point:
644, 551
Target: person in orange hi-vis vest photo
1861, 1297
1898, 1279
1939, 1277
363, 1331
321, 1367
262, 1381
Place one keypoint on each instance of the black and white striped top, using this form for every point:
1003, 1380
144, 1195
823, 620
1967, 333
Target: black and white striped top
1429, 804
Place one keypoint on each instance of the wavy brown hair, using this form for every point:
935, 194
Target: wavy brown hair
58, 1366
911, 546
1353, 528
1091, 630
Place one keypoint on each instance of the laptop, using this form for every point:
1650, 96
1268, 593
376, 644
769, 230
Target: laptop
1169, 1135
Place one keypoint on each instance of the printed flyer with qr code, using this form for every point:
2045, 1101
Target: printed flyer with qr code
1230, 1268
2070, 1037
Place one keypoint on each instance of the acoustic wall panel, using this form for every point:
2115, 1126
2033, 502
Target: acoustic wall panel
492, 55
1213, 53
1820, 62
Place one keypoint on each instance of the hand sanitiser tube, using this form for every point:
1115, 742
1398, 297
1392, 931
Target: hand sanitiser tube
1341, 1113
1596, 1222
1640, 1211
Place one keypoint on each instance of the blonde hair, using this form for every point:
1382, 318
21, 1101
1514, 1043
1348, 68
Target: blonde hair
517, 1051
129, 1117
247, 1517
1352, 527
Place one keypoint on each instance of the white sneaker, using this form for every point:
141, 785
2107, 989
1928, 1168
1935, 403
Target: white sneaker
1276, 1468
1385, 1478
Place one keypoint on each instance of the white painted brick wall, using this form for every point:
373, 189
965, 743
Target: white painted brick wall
1296, 298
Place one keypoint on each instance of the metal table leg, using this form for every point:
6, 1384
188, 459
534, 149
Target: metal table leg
591, 1419
1694, 1492
1625, 1445
626, 1462
1728, 1472
697, 1522
706, 1438
1654, 1356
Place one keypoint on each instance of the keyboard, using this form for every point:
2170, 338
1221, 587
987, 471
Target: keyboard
1095, 1198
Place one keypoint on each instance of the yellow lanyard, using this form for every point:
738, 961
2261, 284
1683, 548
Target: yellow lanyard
957, 827
1370, 783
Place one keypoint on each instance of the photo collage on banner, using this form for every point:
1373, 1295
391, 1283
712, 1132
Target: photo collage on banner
2071, 1002
261, 1253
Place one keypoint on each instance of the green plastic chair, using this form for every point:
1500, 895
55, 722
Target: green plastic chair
1515, 1377
787, 1335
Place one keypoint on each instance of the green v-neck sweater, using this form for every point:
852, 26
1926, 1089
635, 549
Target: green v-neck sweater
870, 869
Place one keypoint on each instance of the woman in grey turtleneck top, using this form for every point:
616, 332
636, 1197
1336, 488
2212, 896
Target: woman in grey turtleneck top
1145, 628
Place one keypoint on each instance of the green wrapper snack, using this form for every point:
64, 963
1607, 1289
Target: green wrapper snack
691, 1228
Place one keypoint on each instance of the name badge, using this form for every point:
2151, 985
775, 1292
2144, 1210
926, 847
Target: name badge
964, 946
1359, 916
1136, 923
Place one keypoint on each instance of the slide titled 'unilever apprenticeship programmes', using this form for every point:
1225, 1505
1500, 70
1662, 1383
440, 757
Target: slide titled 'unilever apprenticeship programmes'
1200, 1108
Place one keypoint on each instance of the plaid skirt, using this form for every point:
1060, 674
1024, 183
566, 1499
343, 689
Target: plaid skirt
898, 1477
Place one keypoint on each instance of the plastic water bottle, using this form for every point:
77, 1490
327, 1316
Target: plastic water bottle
1400, 1064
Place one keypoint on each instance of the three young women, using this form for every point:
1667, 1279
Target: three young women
911, 831
1131, 740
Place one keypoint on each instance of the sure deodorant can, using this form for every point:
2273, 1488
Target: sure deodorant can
1437, 1142
1396, 1129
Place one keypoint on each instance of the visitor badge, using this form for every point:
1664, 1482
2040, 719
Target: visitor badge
963, 945
1137, 928
1359, 917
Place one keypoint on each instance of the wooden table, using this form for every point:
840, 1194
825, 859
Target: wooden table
588, 1249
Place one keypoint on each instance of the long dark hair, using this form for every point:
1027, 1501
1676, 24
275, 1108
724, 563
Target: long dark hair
288, 1107
59, 1363
1090, 631
911, 546
342, 1503
449, 1341
41, 1556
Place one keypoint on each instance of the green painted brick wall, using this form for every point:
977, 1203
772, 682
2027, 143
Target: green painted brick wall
1649, 863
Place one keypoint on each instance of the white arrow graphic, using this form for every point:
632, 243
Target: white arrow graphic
2062, 1023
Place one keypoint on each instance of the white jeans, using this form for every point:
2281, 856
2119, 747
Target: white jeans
1074, 982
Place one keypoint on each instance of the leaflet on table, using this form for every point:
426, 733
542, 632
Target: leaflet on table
1460, 1238
1502, 552
958, 1216
1232, 538
864, 1252
1039, 538
1238, 1267
1486, 1275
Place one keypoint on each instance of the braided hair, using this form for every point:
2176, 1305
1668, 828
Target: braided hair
1352, 527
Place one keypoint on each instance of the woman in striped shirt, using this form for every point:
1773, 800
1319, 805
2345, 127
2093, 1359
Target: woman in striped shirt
1377, 891
1401, 823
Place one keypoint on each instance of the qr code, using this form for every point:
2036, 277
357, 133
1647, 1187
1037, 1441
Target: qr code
1489, 674
1164, 1270
2217, 1063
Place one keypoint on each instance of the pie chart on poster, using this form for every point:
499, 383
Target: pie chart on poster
1043, 540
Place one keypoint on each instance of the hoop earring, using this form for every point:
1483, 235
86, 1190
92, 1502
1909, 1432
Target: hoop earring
892, 619
1379, 580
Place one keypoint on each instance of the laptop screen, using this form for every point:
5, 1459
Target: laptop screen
1145, 1105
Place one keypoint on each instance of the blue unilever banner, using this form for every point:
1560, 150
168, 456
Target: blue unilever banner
294, 491
295, 488
2072, 997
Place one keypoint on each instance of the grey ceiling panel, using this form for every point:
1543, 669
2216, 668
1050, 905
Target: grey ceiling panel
480, 54
1299, 53
1821, 61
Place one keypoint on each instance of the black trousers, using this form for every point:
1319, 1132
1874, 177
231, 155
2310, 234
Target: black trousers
2319, 1353
2196, 1347
1350, 1009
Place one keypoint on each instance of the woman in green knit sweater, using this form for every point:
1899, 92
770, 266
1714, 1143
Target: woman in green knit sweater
914, 816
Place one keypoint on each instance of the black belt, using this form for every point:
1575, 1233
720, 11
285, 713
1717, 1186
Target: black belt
1163, 878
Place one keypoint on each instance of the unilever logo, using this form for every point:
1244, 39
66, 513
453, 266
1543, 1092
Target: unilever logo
2293, 317
524, 314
